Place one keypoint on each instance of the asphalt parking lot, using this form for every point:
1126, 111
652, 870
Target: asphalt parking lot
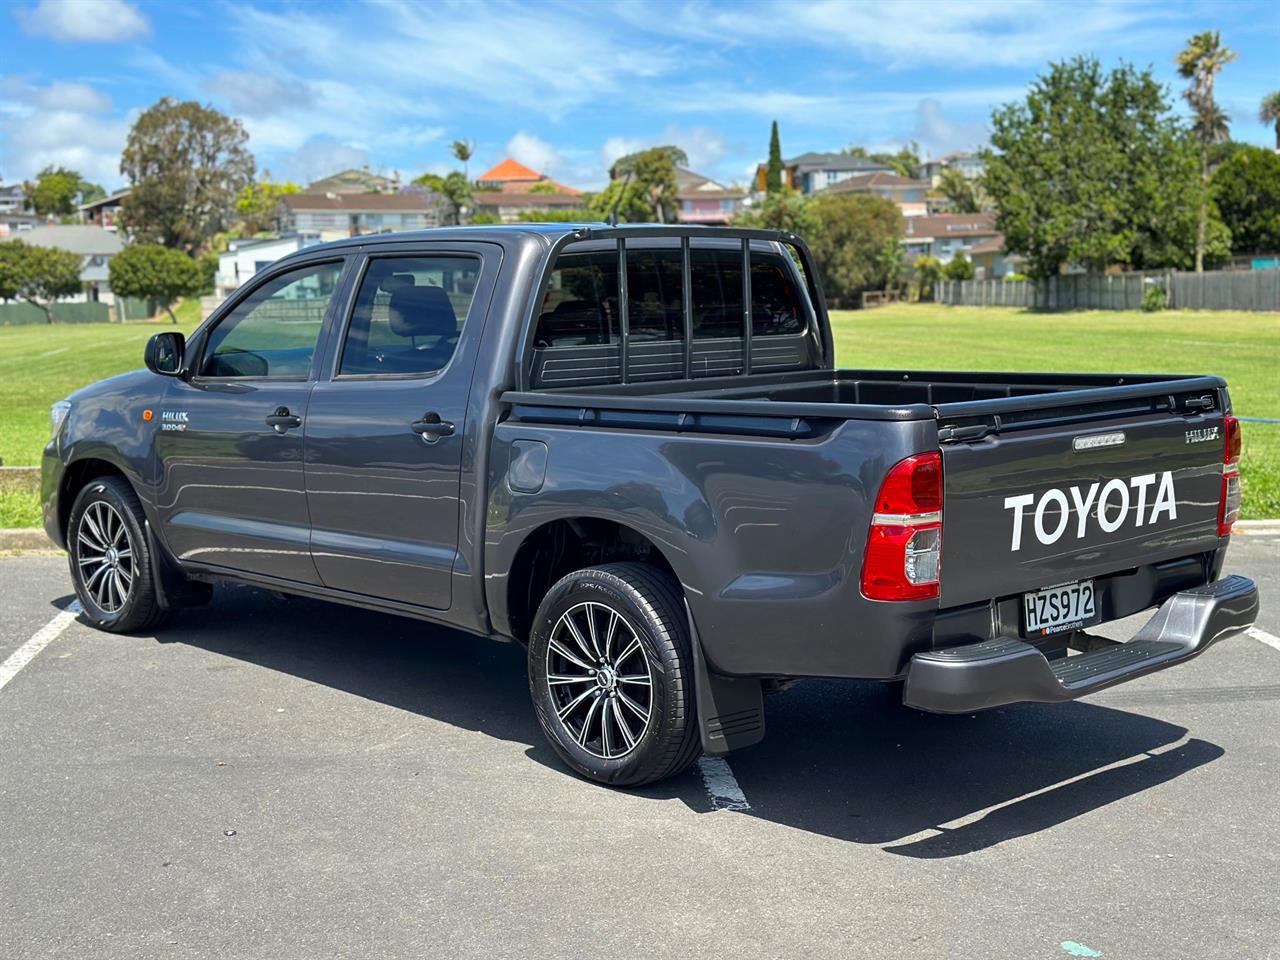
280, 779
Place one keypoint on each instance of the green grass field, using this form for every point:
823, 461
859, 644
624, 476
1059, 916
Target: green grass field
1242, 347
40, 364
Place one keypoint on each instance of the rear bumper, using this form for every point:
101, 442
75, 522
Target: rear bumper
1007, 670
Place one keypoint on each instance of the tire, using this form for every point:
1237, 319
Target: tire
111, 563
600, 716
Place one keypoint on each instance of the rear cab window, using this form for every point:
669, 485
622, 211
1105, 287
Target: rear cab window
578, 333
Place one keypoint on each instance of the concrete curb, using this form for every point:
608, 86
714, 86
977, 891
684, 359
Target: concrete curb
1256, 527
26, 540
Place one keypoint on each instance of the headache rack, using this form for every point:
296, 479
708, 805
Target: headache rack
685, 234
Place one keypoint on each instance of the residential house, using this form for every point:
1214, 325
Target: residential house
511, 191
811, 172
702, 200
105, 212
911, 196
356, 181
13, 199
335, 216
95, 245
970, 166
946, 235
244, 258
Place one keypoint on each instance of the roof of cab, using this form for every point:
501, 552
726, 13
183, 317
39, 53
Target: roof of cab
549, 233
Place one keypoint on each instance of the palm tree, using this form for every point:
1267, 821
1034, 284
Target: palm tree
462, 151
1269, 112
1201, 62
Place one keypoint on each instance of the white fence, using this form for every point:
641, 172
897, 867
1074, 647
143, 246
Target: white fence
1219, 290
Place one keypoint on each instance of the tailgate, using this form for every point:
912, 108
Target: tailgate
1033, 506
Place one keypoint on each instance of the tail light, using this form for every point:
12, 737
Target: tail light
1229, 501
903, 559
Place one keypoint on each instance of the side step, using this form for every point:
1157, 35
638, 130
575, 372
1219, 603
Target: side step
1003, 670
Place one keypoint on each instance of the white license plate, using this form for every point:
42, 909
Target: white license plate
1069, 606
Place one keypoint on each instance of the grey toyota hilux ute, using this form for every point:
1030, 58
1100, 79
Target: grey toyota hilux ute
630, 449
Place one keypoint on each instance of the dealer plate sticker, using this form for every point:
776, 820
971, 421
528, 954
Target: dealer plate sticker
1068, 606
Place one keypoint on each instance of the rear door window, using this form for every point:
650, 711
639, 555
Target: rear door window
408, 315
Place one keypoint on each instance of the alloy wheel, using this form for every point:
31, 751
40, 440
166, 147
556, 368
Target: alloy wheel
104, 554
600, 680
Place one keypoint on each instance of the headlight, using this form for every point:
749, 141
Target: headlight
57, 413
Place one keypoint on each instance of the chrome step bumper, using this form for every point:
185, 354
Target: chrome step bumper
1007, 670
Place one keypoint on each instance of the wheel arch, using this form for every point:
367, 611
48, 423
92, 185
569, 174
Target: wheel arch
75, 477
562, 545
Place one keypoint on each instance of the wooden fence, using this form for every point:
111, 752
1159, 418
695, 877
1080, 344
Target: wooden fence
1219, 290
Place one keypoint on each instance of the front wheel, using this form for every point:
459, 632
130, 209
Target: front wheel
611, 674
110, 558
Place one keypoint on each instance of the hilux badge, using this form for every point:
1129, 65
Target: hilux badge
1095, 440
1201, 435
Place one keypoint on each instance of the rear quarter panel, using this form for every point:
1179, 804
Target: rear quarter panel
766, 535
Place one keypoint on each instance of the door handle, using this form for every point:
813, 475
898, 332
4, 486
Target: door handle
431, 427
283, 420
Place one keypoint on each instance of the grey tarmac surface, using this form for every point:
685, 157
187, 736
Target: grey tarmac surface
288, 779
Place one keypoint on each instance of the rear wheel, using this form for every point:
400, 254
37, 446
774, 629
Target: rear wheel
110, 560
610, 671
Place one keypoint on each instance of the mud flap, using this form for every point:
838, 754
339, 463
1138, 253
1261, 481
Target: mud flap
174, 590
730, 709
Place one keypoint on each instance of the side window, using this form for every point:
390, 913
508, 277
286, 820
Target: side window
408, 315
273, 332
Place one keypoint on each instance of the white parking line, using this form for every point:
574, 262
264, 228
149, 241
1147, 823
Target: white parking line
42, 638
1265, 637
722, 785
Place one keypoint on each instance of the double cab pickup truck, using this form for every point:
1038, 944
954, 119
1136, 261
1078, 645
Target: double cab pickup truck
630, 449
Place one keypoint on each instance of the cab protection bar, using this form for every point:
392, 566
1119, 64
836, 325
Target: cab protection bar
685, 234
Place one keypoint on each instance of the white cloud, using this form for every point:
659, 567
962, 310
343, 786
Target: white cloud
319, 157
534, 152
62, 124
258, 94
938, 134
84, 21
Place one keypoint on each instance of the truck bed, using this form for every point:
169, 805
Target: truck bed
960, 401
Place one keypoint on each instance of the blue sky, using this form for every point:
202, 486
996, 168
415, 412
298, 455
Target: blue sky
568, 86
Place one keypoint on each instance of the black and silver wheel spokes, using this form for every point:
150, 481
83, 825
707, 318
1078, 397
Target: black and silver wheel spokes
600, 680
104, 554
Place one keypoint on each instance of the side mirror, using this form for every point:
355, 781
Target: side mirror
165, 354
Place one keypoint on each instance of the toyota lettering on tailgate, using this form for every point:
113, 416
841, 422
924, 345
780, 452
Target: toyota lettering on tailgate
1054, 510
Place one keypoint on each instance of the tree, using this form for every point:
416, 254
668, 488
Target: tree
38, 275
850, 240
905, 163
1167, 223
1076, 169
785, 210
12, 264
961, 191
959, 267
773, 176
928, 272
1247, 191
1201, 62
463, 150
187, 165
1269, 112
258, 204
892, 263
154, 272
55, 192
642, 189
